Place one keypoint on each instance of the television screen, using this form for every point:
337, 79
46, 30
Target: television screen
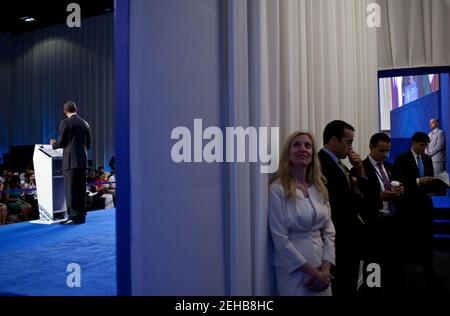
396, 92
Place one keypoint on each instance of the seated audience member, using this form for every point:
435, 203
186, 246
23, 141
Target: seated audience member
100, 170
98, 200
94, 200
3, 209
300, 221
99, 181
112, 186
105, 191
6, 175
91, 176
30, 194
13, 200
3, 214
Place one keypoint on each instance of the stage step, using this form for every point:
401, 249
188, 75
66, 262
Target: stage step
441, 227
441, 223
441, 242
441, 213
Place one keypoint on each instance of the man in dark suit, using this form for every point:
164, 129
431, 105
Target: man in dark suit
415, 170
381, 203
344, 200
75, 138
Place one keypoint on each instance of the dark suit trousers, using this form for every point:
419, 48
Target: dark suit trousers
417, 229
75, 189
386, 249
346, 269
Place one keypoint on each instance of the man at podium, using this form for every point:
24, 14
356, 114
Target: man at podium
75, 138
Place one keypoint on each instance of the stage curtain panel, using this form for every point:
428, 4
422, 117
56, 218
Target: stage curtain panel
414, 33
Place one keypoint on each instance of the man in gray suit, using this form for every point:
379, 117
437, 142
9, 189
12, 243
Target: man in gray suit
436, 148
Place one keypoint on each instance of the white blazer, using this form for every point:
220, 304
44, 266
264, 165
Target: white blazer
302, 231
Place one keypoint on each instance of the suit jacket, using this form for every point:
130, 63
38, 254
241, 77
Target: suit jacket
75, 138
372, 189
302, 232
295, 227
416, 199
343, 202
436, 147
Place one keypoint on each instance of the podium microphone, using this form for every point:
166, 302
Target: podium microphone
54, 135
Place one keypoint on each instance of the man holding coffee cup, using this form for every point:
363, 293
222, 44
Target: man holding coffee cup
381, 196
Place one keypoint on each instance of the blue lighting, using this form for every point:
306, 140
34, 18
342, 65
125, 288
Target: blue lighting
442, 236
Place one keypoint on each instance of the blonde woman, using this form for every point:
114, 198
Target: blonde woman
300, 221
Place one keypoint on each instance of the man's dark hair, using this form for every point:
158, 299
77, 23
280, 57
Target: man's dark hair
420, 137
335, 128
379, 137
70, 107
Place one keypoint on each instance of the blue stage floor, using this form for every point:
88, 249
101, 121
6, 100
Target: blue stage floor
441, 201
34, 258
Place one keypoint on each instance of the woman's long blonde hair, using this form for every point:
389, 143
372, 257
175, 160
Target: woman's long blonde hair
313, 172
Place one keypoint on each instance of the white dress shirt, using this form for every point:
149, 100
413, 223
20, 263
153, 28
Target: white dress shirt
380, 181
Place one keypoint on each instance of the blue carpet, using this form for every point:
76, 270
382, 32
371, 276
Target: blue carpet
34, 258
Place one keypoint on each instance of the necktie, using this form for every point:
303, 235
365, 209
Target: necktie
420, 166
387, 185
344, 170
384, 177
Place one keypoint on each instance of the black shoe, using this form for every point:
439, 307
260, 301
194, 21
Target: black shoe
72, 221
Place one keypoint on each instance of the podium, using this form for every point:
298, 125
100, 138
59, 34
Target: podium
49, 175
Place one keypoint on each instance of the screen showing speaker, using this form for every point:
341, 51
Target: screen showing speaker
395, 92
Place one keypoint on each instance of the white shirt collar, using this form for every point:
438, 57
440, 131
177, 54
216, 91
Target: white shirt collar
414, 153
332, 155
373, 161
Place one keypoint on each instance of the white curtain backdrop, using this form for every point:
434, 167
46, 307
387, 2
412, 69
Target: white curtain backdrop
296, 64
414, 33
